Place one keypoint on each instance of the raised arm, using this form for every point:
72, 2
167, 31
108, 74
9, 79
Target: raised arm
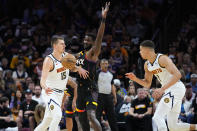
96, 49
146, 82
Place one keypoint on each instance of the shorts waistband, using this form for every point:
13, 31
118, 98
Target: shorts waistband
57, 90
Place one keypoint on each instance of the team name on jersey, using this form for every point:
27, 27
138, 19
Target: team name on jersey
80, 61
140, 106
156, 71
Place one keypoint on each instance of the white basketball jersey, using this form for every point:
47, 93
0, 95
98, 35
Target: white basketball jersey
161, 73
58, 77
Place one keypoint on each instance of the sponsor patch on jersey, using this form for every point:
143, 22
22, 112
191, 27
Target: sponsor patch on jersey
52, 107
166, 100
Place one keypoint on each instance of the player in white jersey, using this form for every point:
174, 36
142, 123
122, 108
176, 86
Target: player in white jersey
171, 92
53, 81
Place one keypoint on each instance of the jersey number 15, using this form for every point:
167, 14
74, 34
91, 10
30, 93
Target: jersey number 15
63, 75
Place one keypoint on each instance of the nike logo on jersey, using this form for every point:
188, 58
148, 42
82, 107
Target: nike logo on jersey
60, 69
157, 71
80, 61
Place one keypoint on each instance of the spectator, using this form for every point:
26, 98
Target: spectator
5, 115
31, 86
15, 103
4, 63
2, 81
193, 82
20, 74
140, 113
38, 69
26, 113
39, 113
131, 92
194, 110
120, 91
38, 96
20, 58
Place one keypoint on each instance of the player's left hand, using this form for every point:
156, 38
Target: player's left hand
158, 93
105, 10
83, 73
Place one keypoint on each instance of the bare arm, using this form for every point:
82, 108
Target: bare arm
47, 66
113, 90
146, 82
131, 111
73, 84
166, 62
149, 111
96, 49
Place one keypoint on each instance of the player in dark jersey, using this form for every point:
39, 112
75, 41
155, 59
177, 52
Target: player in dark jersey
87, 88
70, 111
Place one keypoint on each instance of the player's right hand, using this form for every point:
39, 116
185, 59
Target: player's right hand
131, 76
48, 91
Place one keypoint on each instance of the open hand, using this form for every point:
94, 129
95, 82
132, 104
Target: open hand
105, 10
131, 76
83, 73
157, 93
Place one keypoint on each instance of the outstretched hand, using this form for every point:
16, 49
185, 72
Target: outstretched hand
83, 73
131, 76
105, 10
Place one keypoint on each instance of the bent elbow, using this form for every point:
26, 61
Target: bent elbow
179, 75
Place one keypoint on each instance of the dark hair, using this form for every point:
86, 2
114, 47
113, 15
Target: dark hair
3, 100
55, 38
92, 36
148, 43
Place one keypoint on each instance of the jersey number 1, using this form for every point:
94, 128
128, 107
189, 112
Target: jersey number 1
63, 75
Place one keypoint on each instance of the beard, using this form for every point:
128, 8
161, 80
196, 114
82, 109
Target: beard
87, 47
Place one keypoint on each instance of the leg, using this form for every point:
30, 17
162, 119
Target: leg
99, 109
162, 110
172, 118
31, 123
78, 123
45, 122
109, 108
56, 118
91, 109
95, 123
69, 124
84, 121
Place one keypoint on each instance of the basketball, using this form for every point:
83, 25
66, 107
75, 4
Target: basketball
68, 61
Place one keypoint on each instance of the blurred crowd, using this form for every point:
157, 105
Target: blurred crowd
25, 31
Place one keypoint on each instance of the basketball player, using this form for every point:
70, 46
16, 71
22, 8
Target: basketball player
70, 108
53, 80
173, 90
87, 89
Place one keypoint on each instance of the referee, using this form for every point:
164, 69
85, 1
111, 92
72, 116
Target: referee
107, 95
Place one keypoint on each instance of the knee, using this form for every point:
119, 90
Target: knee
91, 115
31, 119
